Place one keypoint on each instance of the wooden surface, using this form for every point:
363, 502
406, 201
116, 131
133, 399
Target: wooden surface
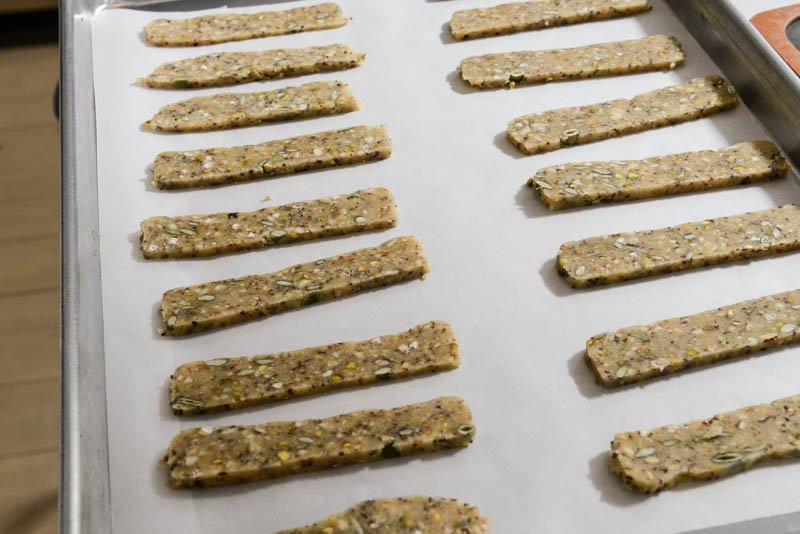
18, 6
29, 293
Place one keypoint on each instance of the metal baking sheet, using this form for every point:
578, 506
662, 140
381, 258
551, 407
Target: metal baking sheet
543, 425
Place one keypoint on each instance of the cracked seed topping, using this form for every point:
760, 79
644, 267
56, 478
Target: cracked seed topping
210, 29
235, 110
714, 448
226, 302
581, 184
509, 69
213, 456
233, 383
219, 166
522, 16
617, 257
230, 68
559, 128
219, 233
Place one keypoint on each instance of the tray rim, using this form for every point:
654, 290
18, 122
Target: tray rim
84, 491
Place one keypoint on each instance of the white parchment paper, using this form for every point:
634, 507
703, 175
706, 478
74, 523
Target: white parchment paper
539, 460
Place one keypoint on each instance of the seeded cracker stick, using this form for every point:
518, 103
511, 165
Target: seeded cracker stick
581, 184
523, 16
218, 166
229, 68
233, 383
558, 128
221, 303
638, 353
208, 235
715, 448
618, 257
655, 52
234, 110
210, 29
215, 456
430, 515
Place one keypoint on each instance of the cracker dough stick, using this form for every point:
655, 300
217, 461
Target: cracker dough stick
209, 456
233, 383
523, 16
218, 166
655, 52
187, 310
558, 128
208, 235
210, 29
614, 258
581, 184
234, 110
722, 446
229, 68
638, 353
431, 515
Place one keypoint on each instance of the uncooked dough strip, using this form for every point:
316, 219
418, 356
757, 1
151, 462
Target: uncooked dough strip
233, 383
234, 110
655, 52
722, 446
523, 16
208, 235
229, 68
638, 353
614, 258
210, 29
558, 128
221, 303
218, 166
416, 513
215, 456
580, 184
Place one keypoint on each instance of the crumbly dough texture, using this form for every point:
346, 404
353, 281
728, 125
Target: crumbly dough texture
222, 303
655, 52
559, 128
614, 258
189, 236
234, 110
722, 446
210, 29
233, 383
573, 185
219, 166
230, 68
215, 456
404, 515
523, 16
638, 353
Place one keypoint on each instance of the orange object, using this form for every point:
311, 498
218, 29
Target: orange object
773, 25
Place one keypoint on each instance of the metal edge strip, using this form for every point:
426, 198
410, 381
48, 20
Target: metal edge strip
772, 91
84, 492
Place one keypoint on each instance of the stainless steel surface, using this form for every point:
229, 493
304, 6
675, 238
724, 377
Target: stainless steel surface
766, 84
84, 490
779, 524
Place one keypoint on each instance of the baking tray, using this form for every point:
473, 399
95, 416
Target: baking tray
85, 499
